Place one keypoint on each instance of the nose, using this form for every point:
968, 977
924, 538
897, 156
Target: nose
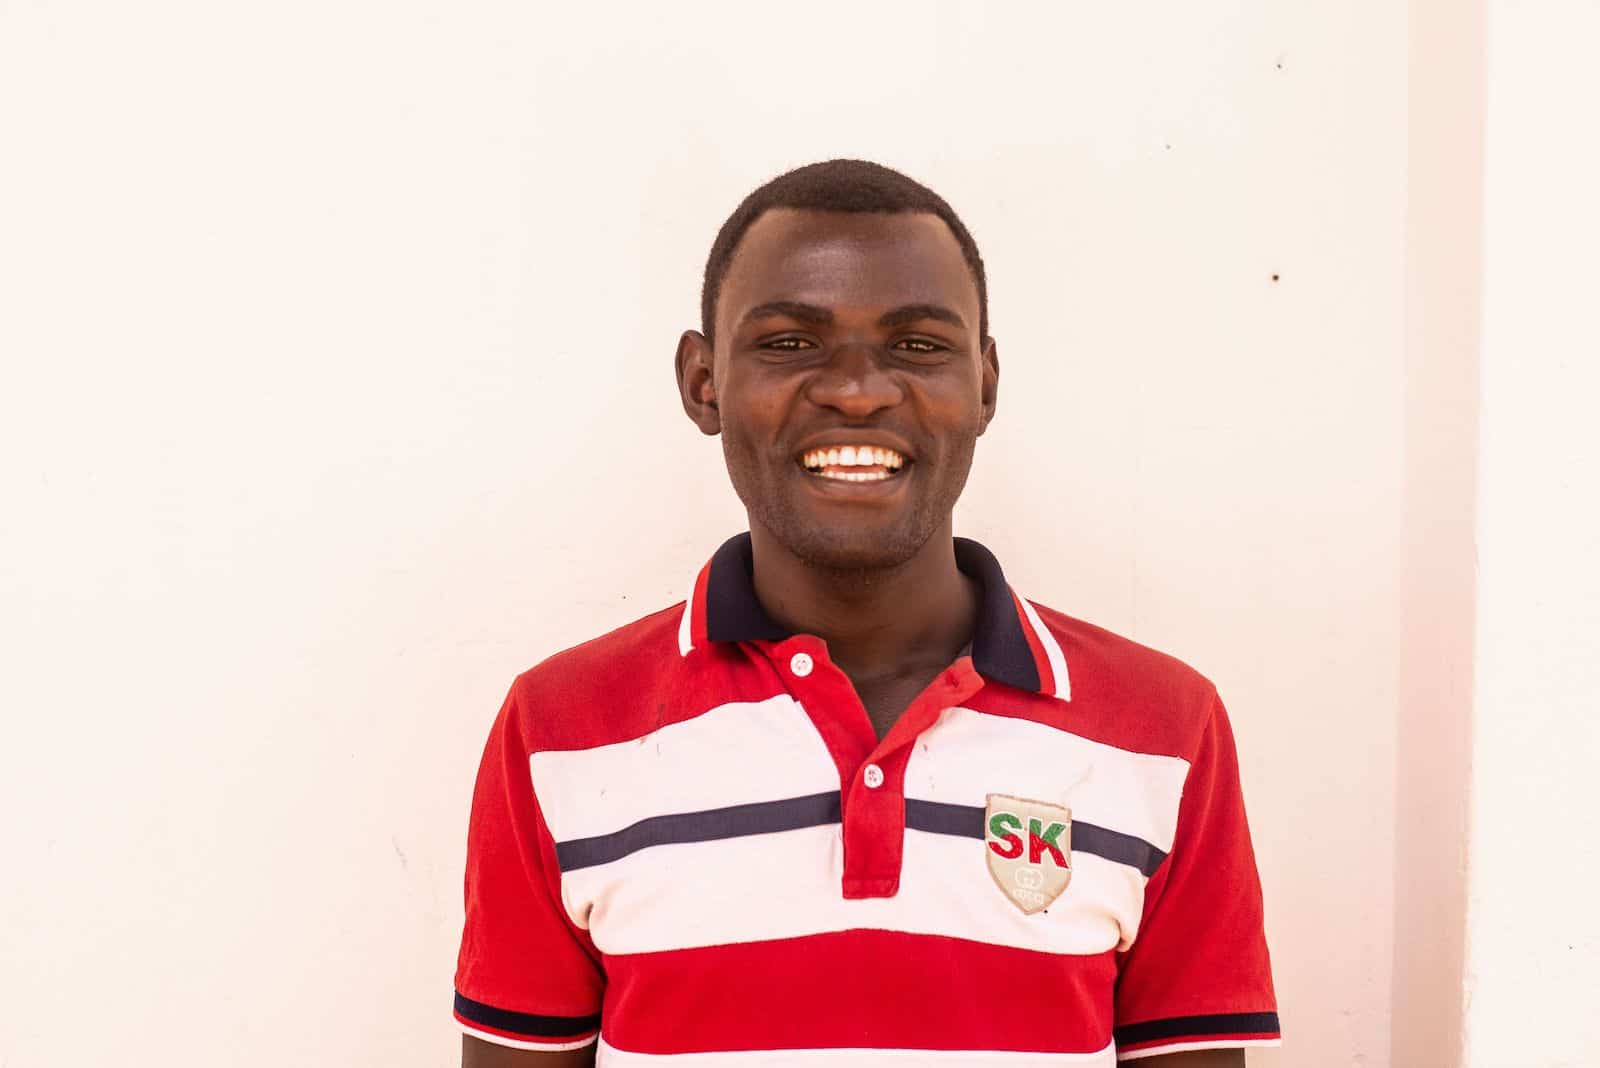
855, 382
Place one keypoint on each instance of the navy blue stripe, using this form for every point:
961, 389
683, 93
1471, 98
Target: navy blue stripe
1219, 1025
966, 821
937, 817
525, 1023
735, 821
1114, 845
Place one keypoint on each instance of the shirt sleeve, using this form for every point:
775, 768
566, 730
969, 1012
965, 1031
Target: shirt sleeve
1197, 975
526, 977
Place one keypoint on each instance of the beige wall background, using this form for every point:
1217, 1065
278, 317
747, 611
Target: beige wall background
337, 349
1532, 950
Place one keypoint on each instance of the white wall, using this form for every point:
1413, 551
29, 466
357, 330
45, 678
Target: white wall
1444, 209
1533, 937
337, 346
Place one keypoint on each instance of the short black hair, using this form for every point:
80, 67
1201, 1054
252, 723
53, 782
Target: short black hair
847, 185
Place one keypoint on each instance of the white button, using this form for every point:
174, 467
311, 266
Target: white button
800, 664
872, 776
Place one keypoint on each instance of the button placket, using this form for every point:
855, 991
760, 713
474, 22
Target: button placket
874, 812
801, 664
874, 827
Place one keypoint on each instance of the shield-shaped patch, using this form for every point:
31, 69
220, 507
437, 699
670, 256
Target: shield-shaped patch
1029, 848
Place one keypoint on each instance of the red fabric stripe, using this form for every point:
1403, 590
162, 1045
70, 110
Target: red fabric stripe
1178, 1040
863, 988
1047, 678
697, 608
515, 1037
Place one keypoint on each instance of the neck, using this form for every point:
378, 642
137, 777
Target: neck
876, 621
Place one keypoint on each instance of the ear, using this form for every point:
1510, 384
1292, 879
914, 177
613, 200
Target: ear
989, 368
696, 382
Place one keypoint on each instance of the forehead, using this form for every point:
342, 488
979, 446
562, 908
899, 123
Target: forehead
847, 260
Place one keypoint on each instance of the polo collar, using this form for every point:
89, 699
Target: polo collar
1010, 644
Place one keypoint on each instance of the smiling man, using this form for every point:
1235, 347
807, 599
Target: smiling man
856, 794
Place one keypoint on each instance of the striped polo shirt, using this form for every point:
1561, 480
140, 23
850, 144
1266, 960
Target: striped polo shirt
688, 845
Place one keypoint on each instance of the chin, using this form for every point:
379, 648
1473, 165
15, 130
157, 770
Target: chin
851, 548
834, 536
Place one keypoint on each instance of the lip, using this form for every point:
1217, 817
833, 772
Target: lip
838, 489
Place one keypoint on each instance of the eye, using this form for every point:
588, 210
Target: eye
921, 349
787, 344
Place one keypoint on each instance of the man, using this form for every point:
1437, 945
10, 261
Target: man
855, 794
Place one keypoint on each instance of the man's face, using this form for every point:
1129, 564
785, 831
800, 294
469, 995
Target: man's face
837, 334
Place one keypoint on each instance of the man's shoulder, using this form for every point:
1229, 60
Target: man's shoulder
1132, 695
631, 651
1116, 658
593, 688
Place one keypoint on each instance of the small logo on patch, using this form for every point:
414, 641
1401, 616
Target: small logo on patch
1028, 845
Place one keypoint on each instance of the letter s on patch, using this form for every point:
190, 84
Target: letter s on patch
1011, 848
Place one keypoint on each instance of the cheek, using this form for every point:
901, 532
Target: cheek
956, 413
757, 416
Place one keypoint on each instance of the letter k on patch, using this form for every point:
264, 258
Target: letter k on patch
1028, 845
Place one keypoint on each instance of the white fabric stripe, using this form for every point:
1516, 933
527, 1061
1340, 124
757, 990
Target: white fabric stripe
1052, 650
686, 623
1179, 1047
968, 755
608, 1056
501, 1040
734, 754
787, 885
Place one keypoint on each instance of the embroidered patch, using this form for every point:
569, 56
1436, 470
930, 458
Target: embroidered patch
1029, 848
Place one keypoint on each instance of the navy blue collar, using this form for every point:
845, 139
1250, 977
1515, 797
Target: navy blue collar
1000, 644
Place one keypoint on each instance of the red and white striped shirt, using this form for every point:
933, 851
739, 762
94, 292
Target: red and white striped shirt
688, 844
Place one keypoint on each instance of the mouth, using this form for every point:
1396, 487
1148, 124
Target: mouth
853, 463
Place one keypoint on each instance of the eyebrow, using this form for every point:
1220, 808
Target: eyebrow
910, 313
818, 316
789, 309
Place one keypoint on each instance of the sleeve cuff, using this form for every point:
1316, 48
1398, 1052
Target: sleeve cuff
1176, 1034
524, 1030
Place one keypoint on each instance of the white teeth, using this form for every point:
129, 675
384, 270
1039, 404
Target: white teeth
853, 456
856, 476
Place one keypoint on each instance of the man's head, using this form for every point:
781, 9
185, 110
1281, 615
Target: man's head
844, 313
842, 185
